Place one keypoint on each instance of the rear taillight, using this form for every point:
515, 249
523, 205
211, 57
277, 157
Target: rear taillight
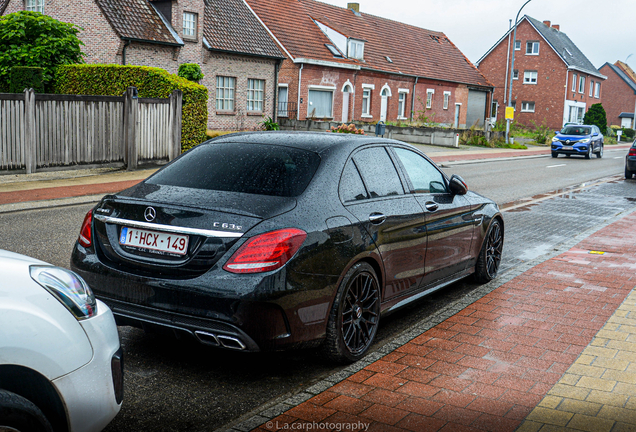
85, 232
266, 252
632, 151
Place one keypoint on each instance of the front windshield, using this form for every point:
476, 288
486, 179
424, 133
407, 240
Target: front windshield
575, 130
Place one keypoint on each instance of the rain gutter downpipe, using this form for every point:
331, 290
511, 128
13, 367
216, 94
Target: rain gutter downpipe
300, 77
123, 51
512, 67
279, 62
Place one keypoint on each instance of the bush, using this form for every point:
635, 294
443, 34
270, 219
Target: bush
347, 129
25, 77
542, 133
629, 133
113, 80
33, 39
191, 72
269, 124
596, 116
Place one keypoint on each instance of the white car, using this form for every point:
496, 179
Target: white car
61, 363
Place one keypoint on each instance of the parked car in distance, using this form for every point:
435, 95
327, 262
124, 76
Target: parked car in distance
630, 161
583, 140
275, 240
60, 359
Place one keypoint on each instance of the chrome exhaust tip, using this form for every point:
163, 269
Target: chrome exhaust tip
207, 338
231, 342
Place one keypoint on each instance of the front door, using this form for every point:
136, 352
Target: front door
383, 105
345, 107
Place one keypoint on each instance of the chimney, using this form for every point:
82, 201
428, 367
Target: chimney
556, 27
547, 23
354, 7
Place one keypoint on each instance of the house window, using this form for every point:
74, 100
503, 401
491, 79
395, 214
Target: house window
513, 104
35, 5
527, 106
518, 45
401, 104
591, 87
189, 25
515, 74
429, 97
255, 93
573, 83
532, 48
225, 93
283, 93
366, 102
356, 49
581, 84
320, 103
446, 99
597, 90
530, 77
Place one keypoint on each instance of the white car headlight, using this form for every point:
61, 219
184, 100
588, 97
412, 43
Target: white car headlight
554, 138
583, 141
68, 287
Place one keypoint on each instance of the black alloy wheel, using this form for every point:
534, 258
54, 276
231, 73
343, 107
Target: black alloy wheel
20, 414
355, 315
490, 256
588, 155
599, 154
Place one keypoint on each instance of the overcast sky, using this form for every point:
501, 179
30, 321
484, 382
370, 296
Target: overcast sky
605, 31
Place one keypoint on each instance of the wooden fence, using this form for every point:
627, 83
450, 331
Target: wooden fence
44, 130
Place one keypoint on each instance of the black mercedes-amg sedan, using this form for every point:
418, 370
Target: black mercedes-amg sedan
272, 240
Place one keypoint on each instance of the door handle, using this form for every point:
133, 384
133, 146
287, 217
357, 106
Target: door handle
431, 206
376, 218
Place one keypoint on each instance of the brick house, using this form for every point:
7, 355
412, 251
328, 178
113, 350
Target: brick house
342, 64
239, 59
553, 81
619, 92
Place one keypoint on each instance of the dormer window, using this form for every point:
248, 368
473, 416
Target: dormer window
189, 25
355, 49
334, 50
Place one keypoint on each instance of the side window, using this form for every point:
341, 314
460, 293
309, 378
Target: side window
378, 172
351, 186
424, 176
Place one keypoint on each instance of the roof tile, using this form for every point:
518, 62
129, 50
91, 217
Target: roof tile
229, 25
137, 19
413, 50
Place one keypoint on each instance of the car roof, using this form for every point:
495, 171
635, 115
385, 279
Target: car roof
312, 141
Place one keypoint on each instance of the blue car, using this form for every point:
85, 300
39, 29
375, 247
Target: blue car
580, 140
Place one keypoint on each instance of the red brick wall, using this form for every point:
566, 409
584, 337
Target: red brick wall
550, 91
618, 96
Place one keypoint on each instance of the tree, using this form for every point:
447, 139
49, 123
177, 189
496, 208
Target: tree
33, 39
596, 116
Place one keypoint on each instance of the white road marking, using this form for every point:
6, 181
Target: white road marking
554, 166
619, 157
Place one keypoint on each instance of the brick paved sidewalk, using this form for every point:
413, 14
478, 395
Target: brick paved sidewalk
536, 348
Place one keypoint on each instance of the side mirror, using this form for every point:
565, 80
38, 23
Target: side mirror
457, 185
556, 132
595, 134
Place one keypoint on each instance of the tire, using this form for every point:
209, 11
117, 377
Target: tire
353, 321
588, 155
628, 173
600, 152
490, 255
555, 154
21, 414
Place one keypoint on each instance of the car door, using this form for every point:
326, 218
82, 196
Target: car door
450, 222
392, 218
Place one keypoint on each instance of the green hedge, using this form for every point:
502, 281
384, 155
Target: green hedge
24, 77
113, 80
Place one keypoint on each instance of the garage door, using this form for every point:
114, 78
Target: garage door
476, 112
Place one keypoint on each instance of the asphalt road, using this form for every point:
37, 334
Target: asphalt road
177, 386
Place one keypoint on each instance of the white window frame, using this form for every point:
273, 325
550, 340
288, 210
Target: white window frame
227, 99
591, 87
255, 94
35, 5
534, 44
515, 74
517, 45
190, 24
574, 76
355, 49
323, 89
530, 77
581, 84
402, 103
525, 106
447, 96
429, 98
366, 102
597, 90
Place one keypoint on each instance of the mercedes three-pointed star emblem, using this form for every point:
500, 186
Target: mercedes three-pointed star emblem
150, 214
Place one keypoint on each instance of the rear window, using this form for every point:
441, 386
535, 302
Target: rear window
248, 168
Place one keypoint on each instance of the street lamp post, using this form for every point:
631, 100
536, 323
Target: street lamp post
512, 69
